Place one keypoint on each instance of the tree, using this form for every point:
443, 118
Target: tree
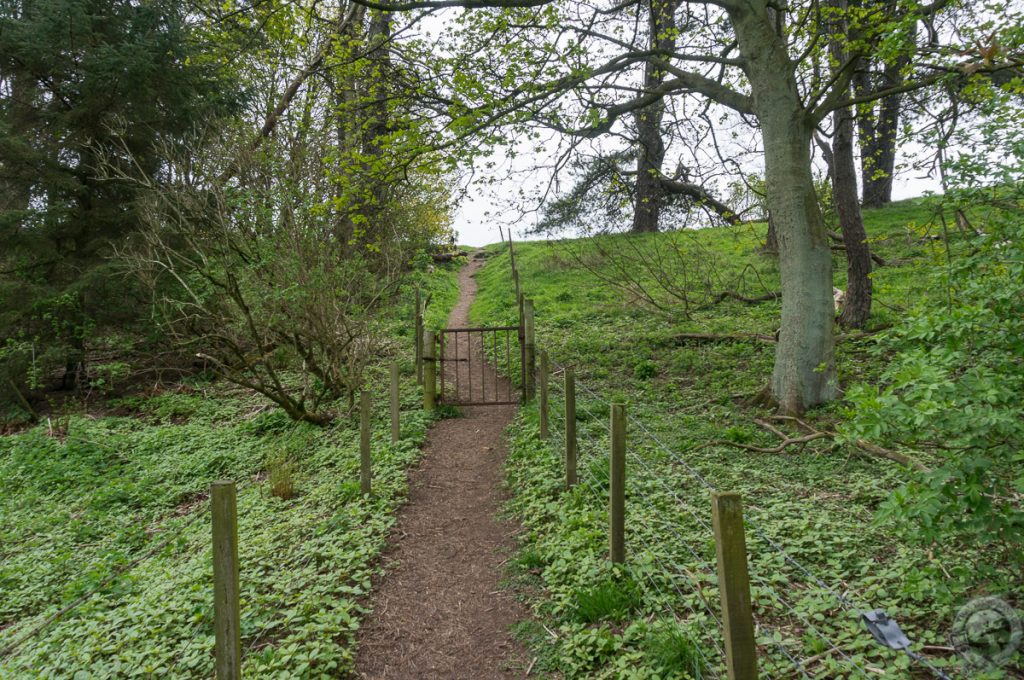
878, 126
270, 255
650, 146
77, 75
251, 279
857, 303
953, 378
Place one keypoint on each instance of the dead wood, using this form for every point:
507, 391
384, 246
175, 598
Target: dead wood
837, 237
684, 338
810, 435
888, 454
447, 257
786, 440
733, 295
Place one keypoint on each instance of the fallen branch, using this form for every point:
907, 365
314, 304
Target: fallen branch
682, 338
836, 236
811, 435
22, 400
786, 440
732, 295
888, 454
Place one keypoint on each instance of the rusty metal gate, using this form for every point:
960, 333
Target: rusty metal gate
478, 366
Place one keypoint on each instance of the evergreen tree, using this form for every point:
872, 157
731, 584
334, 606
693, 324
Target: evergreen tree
83, 82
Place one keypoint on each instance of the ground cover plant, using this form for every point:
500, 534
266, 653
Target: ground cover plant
820, 550
111, 505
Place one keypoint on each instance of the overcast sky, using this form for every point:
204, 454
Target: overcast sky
508, 194
488, 205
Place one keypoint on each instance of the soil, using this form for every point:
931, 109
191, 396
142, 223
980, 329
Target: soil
440, 610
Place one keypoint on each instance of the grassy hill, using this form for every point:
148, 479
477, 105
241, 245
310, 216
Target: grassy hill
819, 552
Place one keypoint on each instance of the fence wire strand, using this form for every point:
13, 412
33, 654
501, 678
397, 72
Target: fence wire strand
845, 602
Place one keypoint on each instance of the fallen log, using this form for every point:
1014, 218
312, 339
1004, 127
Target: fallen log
447, 257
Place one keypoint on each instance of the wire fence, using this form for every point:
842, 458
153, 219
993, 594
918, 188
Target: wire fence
795, 609
104, 587
685, 572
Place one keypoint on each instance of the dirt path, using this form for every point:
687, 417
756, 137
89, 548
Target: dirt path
440, 612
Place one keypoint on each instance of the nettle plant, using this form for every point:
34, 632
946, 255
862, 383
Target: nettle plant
955, 382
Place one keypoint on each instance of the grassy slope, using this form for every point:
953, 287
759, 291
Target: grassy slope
817, 501
76, 509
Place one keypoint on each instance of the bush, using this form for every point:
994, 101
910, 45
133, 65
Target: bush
953, 389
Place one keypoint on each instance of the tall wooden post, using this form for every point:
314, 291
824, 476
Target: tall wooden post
617, 485
734, 586
522, 344
419, 338
429, 372
542, 381
226, 609
396, 406
364, 441
570, 427
530, 369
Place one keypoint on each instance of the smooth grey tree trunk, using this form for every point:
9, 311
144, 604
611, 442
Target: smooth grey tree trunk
804, 373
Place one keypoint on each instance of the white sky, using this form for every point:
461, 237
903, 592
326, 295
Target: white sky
486, 207
507, 195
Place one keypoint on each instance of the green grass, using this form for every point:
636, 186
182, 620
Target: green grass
85, 497
818, 501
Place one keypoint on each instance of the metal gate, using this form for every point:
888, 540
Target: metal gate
477, 367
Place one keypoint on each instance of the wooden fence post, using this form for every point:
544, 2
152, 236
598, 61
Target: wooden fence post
226, 609
396, 406
542, 381
522, 343
419, 339
429, 372
364, 442
734, 586
617, 485
570, 427
530, 370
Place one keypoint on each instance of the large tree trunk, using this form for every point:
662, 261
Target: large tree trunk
378, 123
877, 129
650, 147
857, 305
804, 373
650, 155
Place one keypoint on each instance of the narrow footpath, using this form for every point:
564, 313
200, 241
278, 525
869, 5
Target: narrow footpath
440, 610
